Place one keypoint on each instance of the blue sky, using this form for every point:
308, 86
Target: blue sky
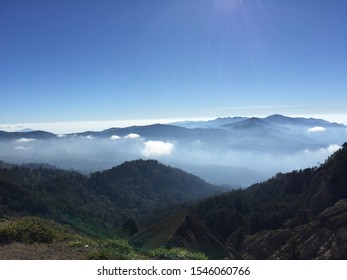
88, 60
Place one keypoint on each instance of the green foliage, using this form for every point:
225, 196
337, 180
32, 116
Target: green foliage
175, 254
130, 227
103, 203
119, 249
287, 199
26, 231
115, 249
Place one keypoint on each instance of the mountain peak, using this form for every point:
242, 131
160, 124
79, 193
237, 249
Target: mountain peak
25, 130
249, 124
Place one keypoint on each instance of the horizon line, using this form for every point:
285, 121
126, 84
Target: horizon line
66, 127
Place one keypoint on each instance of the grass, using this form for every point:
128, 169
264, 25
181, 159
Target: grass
116, 249
35, 230
175, 254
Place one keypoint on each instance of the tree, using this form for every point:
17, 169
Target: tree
130, 227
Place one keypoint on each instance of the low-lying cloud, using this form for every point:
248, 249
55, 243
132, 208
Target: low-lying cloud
265, 156
157, 148
25, 140
331, 149
132, 136
22, 148
316, 129
114, 137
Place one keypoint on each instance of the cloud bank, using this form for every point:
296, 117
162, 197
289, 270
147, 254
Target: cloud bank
22, 148
114, 137
157, 148
316, 129
25, 140
132, 136
331, 149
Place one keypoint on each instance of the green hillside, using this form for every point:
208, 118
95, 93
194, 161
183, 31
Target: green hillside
106, 203
33, 238
298, 215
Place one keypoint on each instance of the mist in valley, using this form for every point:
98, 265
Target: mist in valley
224, 155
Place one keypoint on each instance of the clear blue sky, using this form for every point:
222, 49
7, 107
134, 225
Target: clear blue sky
78, 60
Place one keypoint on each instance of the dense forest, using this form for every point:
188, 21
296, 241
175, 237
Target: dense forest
302, 214
103, 203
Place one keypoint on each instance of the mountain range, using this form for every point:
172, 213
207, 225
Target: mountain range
233, 145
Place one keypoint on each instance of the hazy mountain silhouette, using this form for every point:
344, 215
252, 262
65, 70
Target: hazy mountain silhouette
263, 146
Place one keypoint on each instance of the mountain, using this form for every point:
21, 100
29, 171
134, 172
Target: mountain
25, 130
309, 122
162, 132
251, 123
232, 176
102, 202
149, 184
37, 134
297, 215
189, 129
216, 123
154, 130
275, 119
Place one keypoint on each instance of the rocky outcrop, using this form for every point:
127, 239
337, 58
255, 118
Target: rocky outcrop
323, 238
197, 237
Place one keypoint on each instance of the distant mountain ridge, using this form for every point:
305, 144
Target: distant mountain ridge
283, 120
274, 119
177, 129
232, 143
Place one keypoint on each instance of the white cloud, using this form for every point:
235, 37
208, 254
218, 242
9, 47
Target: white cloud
61, 135
89, 137
331, 149
25, 140
316, 129
114, 137
132, 136
323, 151
5, 127
157, 148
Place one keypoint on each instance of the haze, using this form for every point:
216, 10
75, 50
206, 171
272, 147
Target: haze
233, 151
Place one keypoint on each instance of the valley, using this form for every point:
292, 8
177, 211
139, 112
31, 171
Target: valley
236, 151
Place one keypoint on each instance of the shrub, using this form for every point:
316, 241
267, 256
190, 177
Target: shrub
175, 254
115, 249
27, 231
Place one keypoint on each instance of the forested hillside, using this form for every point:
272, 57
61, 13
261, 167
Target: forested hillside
102, 203
298, 215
